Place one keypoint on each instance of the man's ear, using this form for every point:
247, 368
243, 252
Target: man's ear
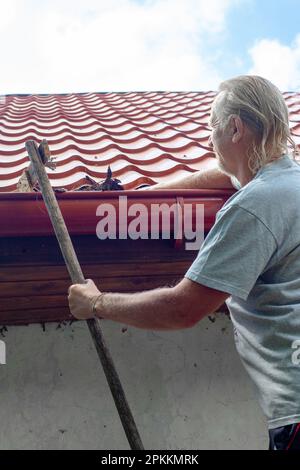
237, 128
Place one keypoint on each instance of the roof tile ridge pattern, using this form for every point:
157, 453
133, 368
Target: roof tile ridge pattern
145, 137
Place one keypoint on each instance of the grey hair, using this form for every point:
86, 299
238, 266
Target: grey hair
262, 108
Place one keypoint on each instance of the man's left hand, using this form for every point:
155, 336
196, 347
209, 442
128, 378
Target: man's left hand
81, 299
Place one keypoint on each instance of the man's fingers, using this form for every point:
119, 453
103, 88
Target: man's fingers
87, 283
75, 287
80, 299
72, 288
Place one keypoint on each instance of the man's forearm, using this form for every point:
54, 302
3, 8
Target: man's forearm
212, 178
158, 309
168, 308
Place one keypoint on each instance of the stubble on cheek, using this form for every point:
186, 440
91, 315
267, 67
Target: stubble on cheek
221, 166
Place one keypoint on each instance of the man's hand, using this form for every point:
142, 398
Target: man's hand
81, 299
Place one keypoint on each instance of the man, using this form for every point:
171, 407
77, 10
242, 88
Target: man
250, 258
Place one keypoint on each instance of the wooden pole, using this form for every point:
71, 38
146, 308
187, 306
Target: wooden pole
77, 277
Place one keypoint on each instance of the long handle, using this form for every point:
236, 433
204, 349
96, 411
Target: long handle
77, 277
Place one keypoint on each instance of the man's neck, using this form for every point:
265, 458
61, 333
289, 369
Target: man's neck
244, 176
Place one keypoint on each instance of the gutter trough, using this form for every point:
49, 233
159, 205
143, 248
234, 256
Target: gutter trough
25, 215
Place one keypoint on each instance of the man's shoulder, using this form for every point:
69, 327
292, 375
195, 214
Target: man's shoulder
274, 201
267, 192
250, 197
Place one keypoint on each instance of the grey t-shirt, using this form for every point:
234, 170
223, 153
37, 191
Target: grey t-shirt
253, 253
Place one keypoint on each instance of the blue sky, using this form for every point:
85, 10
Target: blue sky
255, 20
264, 18
61, 46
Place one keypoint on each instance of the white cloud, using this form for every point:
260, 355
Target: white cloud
277, 62
9, 13
116, 45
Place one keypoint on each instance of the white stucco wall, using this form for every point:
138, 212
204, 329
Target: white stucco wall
187, 389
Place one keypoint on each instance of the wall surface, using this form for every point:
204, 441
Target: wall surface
187, 389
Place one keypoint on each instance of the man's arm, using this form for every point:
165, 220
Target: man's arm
168, 308
212, 178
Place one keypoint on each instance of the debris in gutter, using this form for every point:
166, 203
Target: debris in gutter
26, 183
109, 184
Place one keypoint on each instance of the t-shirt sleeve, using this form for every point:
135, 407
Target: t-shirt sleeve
234, 254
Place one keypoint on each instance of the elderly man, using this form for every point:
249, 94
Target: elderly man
250, 258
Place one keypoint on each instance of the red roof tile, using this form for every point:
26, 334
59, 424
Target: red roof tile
144, 137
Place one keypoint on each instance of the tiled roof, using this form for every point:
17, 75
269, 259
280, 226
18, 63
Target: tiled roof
145, 137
